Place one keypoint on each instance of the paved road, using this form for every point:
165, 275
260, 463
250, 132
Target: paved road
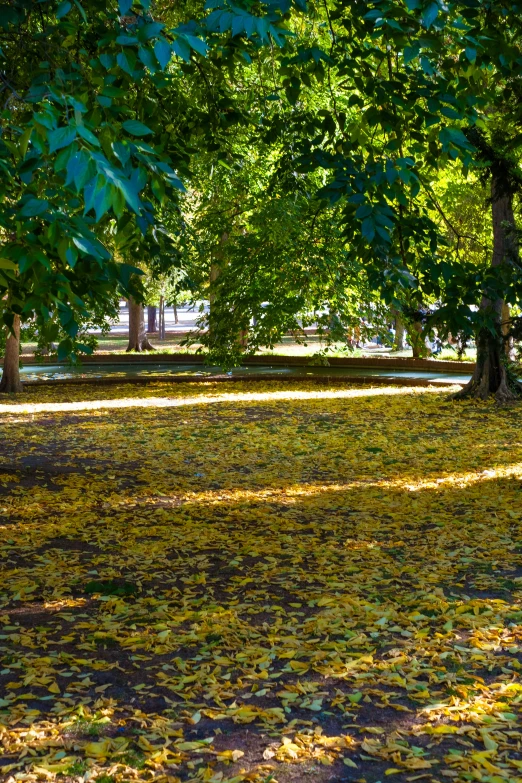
186, 316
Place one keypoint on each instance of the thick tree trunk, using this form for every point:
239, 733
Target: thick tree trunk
418, 343
506, 327
11, 371
176, 319
491, 374
215, 271
151, 319
400, 332
137, 336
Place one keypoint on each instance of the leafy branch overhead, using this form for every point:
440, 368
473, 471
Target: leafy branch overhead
117, 117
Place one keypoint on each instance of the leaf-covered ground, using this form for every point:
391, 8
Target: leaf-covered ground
259, 582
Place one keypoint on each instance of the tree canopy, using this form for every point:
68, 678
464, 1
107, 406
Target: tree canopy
299, 151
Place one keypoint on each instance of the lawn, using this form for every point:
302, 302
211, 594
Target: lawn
259, 582
309, 346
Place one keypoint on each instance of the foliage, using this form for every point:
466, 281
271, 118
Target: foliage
275, 261
270, 112
379, 103
301, 599
84, 149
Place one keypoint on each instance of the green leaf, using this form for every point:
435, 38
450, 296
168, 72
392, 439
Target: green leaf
107, 60
6, 263
86, 134
61, 137
130, 194
182, 49
430, 14
80, 9
71, 255
136, 128
163, 52
147, 58
124, 63
124, 6
127, 40
364, 211
411, 52
368, 229
34, 207
454, 136
25, 263
24, 141
447, 111
150, 30
471, 54
95, 248
63, 9
197, 44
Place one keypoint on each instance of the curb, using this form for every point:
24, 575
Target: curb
381, 380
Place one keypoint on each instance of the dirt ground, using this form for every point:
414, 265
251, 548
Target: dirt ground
275, 583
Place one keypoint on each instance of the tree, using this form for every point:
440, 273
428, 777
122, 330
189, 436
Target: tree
406, 79
138, 340
84, 149
10, 381
366, 101
151, 318
501, 167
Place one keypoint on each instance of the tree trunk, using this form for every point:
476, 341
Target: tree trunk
137, 336
162, 318
506, 327
400, 332
215, 271
11, 372
418, 343
151, 319
491, 374
176, 319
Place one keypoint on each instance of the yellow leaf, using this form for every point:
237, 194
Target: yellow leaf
444, 728
489, 742
231, 755
97, 750
189, 746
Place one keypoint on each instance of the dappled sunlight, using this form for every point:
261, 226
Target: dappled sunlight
226, 397
64, 603
289, 494
311, 583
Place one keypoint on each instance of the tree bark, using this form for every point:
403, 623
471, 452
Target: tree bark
215, 271
418, 343
491, 374
506, 327
138, 341
162, 318
151, 319
400, 332
11, 372
176, 319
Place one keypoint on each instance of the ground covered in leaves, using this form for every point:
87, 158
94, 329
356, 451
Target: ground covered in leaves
259, 582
